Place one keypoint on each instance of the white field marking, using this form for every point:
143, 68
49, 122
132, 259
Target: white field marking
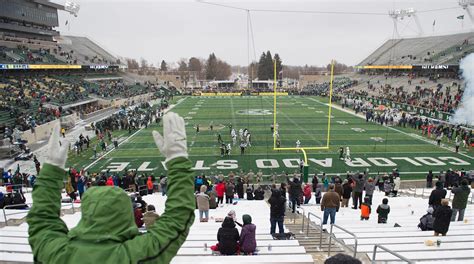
128, 138
312, 108
394, 129
191, 113
301, 128
342, 122
187, 118
319, 112
195, 109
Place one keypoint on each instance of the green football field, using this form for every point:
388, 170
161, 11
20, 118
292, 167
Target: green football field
372, 146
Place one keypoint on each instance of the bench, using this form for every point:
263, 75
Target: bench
428, 255
281, 259
405, 240
394, 234
419, 247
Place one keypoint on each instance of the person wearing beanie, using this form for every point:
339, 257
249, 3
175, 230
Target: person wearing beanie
383, 210
461, 195
437, 195
248, 242
365, 209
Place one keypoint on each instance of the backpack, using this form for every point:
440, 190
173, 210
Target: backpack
426, 222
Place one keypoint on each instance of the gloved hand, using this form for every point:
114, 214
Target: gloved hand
57, 148
173, 144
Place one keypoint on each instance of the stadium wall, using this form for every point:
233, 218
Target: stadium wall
43, 132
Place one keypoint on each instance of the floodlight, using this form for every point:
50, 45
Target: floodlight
72, 7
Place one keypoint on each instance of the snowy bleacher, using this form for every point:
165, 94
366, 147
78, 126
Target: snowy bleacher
406, 240
14, 247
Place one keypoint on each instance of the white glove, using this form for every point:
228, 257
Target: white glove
57, 148
173, 144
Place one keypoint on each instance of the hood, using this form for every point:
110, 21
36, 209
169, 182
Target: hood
228, 223
107, 214
384, 206
247, 219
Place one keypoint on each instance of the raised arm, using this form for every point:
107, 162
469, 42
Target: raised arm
163, 240
47, 232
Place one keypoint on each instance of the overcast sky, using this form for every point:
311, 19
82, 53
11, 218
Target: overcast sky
174, 29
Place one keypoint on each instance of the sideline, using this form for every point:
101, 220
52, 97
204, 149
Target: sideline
394, 129
132, 135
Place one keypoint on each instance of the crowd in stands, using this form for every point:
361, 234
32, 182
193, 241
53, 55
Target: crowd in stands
118, 88
340, 85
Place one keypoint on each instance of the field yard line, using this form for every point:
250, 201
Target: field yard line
108, 152
394, 129
301, 128
233, 111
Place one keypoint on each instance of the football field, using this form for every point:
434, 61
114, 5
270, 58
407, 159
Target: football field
372, 146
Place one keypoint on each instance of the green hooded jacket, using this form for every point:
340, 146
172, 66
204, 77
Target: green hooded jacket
107, 232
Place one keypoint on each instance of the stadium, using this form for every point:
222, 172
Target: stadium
107, 157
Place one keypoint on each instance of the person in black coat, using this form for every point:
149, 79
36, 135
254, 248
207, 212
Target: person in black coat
239, 188
442, 216
228, 237
277, 211
295, 192
315, 182
429, 179
436, 195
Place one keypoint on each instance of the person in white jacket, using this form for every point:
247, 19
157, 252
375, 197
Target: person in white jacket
396, 186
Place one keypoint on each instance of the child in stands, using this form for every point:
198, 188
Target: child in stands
365, 209
383, 210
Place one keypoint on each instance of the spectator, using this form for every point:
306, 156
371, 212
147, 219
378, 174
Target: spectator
429, 179
330, 205
346, 193
365, 209
248, 242
228, 237
249, 193
342, 259
294, 192
437, 195
149, 185
259, 193
229, 192
150, 217
137, 212
461, 194
277, 211
370, 188
396, 186
383, 210
307, 193
427, 220
163, 185
202, 200
317, 193
358, 189
220, 190
442, 217
239, 188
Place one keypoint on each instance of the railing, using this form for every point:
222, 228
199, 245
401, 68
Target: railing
374, 253
302, 222
347, 231
410, 187
320, 227
28, 207
23, 211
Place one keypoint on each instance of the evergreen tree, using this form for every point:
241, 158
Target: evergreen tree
163, 66
261, 67
279, 66
211, 67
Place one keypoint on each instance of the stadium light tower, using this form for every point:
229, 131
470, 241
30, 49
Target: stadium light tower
400, 14
72, 8
466, 4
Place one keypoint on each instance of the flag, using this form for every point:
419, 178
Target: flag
460, 17
434, 22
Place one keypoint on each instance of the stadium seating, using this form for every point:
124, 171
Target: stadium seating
407, 240
420, 50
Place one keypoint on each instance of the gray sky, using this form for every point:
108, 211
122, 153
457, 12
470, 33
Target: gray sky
170, 30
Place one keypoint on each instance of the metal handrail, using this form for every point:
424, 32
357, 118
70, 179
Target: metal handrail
13, 206
374, 253
302, 224
320, 227
347, 231
29, 206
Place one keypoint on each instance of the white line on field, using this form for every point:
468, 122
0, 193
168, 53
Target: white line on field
128, 138
394, 129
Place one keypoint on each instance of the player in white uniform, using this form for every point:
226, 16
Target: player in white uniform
233, 134
298, 144
348, 154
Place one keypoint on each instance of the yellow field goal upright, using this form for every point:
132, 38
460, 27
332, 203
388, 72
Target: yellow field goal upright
329, 115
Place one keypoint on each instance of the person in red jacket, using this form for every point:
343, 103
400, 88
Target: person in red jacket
137, 212
110, 182
149, 185
307, 193
220, 190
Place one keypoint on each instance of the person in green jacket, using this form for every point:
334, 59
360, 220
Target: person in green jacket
461, 194
107, 232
